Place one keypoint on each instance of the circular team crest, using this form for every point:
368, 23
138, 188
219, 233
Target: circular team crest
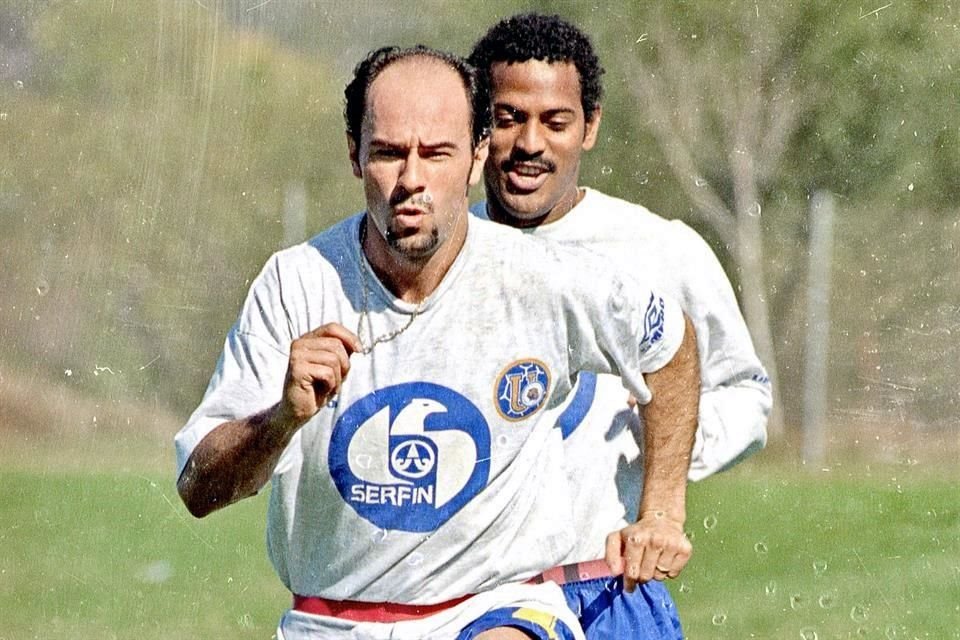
408, 457
522, 388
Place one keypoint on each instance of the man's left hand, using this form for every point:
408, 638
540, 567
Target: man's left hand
653, 548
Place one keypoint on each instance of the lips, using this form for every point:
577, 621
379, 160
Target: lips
408, 211
526, 176
407, 217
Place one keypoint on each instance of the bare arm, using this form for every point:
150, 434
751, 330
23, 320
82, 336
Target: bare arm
236, 459
655, 546
670, 422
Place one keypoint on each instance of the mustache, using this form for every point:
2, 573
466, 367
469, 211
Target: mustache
421, 200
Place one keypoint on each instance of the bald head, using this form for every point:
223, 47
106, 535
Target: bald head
369, 69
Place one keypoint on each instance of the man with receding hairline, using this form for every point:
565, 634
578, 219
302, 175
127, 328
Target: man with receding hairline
397, 379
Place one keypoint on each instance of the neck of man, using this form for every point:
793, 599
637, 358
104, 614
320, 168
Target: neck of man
498, 213
411, 279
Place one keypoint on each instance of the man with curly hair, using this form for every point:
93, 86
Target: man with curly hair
545, 84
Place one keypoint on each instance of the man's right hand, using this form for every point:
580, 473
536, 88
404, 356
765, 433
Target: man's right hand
236, 459
319, 361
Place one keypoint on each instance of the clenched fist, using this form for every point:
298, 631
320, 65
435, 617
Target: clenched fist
319, 361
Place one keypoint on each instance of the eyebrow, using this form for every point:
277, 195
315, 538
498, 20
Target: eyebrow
504, 106
382, 143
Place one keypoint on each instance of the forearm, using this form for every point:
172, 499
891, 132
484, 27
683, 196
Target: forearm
234, 461
670, 423
655, 547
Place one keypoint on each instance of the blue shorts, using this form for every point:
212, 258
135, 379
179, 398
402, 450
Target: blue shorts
536, 624
605, 610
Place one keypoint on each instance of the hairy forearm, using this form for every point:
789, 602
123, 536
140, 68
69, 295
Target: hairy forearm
670, 424
234, 461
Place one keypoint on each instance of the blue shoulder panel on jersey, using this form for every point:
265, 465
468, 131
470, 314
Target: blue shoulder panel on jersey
576, 411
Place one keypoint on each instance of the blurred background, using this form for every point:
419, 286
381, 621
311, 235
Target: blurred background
153, 153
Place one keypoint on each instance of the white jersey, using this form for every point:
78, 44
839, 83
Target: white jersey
437, 471
603, 458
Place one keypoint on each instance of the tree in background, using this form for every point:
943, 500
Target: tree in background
753, 106
145, 155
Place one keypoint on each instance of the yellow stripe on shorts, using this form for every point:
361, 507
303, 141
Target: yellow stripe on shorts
541, 618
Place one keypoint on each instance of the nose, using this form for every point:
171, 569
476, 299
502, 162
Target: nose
531, 140
412, 174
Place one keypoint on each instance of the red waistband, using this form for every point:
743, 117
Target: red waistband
369, 611
577, 572
394, 612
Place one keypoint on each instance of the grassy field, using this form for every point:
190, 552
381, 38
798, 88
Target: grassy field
102, 548
828, 556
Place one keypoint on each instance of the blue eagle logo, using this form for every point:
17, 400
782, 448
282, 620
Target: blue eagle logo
409, 456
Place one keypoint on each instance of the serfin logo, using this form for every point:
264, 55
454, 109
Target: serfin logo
409, 456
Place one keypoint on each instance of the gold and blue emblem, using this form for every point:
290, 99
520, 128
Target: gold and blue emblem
521, 389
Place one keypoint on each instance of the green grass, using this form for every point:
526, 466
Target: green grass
779, 553
802, 556
103, 555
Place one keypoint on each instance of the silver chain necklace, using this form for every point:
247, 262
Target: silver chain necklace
365, 349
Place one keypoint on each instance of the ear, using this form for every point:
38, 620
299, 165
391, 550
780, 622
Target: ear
592, 129
479, 159
354, 156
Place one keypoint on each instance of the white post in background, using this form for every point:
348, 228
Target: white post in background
294, 214
818, 328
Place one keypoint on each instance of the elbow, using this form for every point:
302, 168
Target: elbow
194, 500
